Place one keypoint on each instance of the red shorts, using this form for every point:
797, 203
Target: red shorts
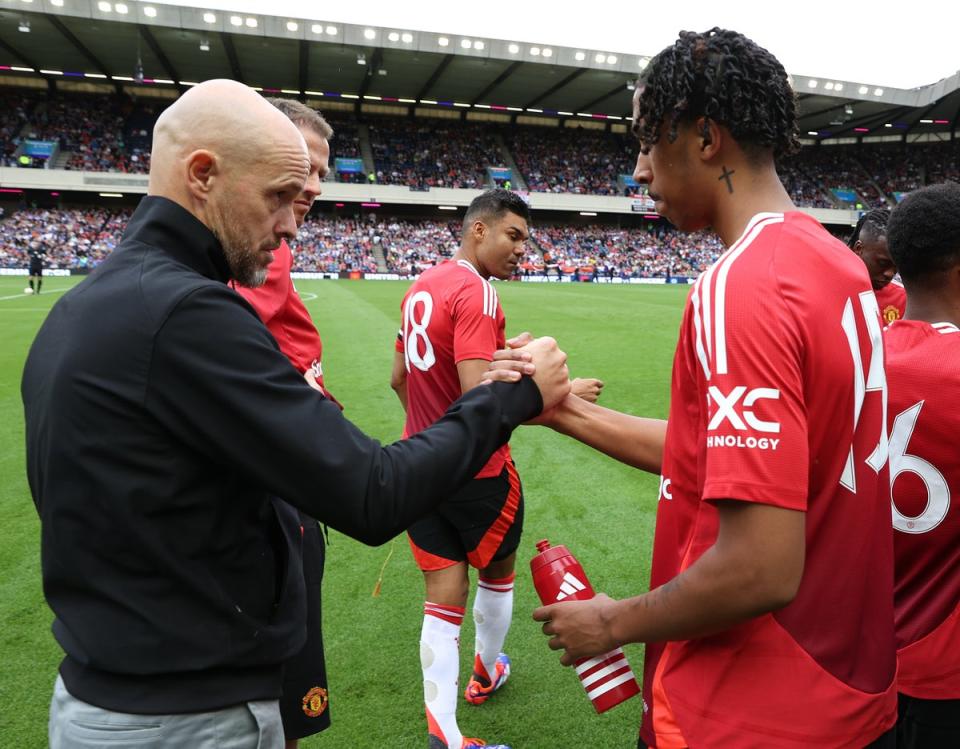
479, 524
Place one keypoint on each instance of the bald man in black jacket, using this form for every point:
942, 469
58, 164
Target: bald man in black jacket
161, 417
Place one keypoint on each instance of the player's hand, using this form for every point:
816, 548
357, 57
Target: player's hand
579, 628
511, 363
550, 370
586, 388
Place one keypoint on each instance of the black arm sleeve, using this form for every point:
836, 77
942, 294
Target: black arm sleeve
220, 385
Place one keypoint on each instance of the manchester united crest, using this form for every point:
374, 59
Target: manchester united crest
315, 702
890, 314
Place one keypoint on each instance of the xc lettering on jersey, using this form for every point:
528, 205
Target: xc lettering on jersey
665, 491
741, 415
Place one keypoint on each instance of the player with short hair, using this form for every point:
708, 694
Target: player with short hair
869, 242
769, 621
923, 359
452, 323
304, 704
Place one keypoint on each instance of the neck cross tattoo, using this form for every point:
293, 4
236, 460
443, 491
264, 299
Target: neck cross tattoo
727, 175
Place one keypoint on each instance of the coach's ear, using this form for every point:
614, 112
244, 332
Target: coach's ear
201, 170
711, 138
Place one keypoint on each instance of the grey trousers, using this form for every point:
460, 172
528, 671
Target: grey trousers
75, 724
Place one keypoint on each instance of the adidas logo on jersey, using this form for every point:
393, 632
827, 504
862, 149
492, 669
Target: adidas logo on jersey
570, 586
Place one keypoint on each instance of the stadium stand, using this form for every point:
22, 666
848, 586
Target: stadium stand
15, 110
109, 134
552, 160
625, 253
804, 188
413, 246
941, 162
332, 245
432, 153
104, 133
345, 145
79, 239
892, 167
73, 238
90, 129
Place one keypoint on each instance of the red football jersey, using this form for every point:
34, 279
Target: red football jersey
279, 306
923, 362
449, 314
778, 397
892, 300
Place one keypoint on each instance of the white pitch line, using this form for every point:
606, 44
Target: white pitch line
307, 296
24, 296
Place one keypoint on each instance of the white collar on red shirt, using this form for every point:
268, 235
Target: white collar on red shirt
468, 264
756, 220
945, 327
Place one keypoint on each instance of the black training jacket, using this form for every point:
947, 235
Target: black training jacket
160, 417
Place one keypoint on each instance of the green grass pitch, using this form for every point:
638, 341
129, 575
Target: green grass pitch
603, 511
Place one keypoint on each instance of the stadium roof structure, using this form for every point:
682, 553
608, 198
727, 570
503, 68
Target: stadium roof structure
170, 47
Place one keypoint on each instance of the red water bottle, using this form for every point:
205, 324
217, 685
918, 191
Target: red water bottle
558, 576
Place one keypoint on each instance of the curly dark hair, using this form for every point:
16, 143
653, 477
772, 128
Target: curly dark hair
923, 232
872, 225
725, 77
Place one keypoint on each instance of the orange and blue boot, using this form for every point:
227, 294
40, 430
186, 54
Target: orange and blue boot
481, 686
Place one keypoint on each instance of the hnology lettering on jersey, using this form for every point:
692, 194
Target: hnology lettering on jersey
738, 408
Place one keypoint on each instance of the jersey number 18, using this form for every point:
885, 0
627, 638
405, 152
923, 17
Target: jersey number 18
415, 332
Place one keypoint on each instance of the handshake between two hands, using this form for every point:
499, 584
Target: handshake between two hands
546, 363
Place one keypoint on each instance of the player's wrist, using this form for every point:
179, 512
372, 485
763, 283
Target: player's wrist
611, 617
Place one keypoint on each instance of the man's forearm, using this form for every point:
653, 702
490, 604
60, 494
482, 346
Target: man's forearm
754, 567
634, 440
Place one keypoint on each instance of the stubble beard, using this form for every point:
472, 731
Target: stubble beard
242, 257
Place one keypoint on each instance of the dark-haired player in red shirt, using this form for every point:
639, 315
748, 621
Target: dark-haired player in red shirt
923, 362
451, 324
769, 621
869, 243
305, 699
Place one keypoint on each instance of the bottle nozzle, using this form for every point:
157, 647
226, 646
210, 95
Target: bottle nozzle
543, 545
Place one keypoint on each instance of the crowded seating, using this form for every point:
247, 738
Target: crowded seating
91, 128
333, 245
413, 246
110, 133
624, 253
432, 153
555, 160
15, 110
75, 239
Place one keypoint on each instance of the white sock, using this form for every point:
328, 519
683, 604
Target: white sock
492, 613
440, 661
